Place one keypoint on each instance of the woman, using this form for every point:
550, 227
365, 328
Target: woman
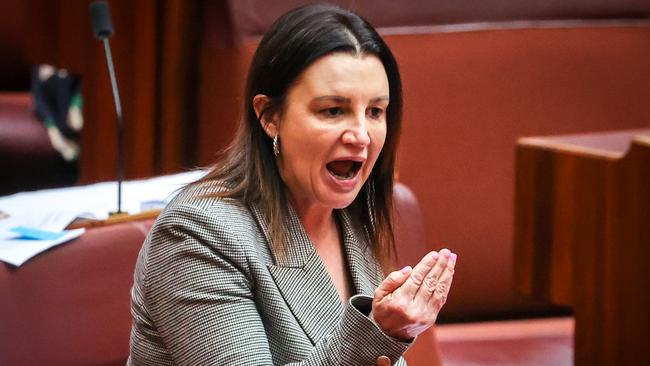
276, 256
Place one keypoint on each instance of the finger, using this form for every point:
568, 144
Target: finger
392, 282
444, 285
414, 281
432, 279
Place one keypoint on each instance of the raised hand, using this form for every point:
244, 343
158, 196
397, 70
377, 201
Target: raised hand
408, 301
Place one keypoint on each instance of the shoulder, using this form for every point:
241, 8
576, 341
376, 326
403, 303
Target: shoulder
198, 208
198, 228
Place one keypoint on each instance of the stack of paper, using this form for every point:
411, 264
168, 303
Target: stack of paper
32, 222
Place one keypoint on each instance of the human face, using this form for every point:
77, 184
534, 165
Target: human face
332, 129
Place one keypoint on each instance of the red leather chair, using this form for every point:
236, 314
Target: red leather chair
71, 305
411, 247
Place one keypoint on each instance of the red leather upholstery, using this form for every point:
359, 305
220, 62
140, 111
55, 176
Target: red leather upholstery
70, 305
531, 342
410, 242
410, 236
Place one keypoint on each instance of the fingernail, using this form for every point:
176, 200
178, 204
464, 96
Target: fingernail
454, 256
406, 269
434, 255
446, 253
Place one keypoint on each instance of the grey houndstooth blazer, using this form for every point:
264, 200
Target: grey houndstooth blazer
209, 290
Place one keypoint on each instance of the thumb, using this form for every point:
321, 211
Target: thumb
392, 282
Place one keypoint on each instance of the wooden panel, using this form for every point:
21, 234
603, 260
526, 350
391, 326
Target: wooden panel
224, 60
178, 86
134, 53
14, 34
253, 17
140, 55
153, 49
628, 282
66, 41
581, 239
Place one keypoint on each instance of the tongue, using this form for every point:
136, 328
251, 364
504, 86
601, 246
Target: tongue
341, 168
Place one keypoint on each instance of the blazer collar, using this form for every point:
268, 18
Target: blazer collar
302, 277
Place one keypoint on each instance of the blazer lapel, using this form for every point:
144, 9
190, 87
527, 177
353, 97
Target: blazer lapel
302, 279
364, 270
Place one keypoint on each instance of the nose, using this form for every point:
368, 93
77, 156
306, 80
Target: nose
356, 132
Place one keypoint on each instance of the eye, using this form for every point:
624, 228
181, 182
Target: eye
332, 112
375, 112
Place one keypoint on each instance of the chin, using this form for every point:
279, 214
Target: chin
339, 201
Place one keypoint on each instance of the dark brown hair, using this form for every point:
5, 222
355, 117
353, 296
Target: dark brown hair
293, 43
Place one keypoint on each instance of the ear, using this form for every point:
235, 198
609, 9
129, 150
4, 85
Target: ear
269, 121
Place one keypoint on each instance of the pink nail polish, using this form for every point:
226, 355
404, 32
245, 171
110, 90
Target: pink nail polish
454, 256
406, 269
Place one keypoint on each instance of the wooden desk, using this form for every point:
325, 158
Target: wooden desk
112, 220
582, 238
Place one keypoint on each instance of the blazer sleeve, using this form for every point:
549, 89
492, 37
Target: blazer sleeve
199, 293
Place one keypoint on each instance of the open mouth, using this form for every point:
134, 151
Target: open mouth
344, 169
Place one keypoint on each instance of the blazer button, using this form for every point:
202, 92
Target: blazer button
383, 361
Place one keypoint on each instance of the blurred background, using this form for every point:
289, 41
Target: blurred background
477, 75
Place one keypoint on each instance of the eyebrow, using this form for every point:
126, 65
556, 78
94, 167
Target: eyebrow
340, 99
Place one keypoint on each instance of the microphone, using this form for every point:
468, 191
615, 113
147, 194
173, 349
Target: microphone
100, 18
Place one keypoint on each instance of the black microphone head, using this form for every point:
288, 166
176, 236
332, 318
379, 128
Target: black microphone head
100, 17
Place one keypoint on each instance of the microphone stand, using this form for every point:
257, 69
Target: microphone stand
103, 29
120, 126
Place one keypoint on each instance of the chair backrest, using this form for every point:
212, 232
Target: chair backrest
410, 236
410, 242
71, 305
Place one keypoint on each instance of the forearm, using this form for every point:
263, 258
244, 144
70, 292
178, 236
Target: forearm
356, 341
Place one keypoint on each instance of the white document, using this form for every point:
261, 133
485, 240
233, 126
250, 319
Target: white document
54, 221
18, 251
54, 206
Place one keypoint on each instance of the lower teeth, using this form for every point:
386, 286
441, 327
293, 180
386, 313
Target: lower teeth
347, 176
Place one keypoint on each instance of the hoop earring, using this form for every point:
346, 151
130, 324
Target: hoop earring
276, 146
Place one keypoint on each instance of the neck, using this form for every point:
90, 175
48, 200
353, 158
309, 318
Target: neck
317, 220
